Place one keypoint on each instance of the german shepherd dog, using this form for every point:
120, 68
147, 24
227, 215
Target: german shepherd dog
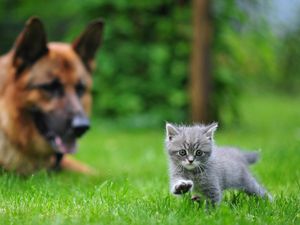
45, 98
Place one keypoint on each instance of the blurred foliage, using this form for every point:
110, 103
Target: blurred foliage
227, 83
289, 56
143, 65
243, 51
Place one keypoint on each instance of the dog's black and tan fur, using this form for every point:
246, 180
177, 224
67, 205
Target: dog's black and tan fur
45, 98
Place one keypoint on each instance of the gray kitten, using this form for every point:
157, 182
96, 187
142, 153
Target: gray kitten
198, 165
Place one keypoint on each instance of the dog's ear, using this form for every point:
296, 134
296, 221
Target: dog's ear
88, 42
30, 45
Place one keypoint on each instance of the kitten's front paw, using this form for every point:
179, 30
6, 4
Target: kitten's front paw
182, 187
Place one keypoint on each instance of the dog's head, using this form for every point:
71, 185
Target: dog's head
53, 82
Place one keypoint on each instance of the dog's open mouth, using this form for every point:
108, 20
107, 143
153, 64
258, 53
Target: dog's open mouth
62, 146
64, 143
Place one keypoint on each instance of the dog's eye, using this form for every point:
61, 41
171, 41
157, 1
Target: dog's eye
199, 153
55, 89
80, 89
182, 152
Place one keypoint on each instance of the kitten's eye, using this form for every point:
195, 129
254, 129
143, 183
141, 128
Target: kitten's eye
199, 153
182, 152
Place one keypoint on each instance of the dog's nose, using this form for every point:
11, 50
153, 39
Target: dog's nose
80, 125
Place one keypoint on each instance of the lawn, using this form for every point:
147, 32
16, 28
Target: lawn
132, 185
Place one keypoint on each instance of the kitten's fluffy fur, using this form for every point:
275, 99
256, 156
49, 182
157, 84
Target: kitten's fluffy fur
198, 165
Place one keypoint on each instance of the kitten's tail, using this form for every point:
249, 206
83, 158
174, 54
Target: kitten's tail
251, 157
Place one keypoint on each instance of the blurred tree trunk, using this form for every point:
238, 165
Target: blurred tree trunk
200, 75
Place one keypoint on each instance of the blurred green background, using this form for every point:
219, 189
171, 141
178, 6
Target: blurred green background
143, 68
142, 80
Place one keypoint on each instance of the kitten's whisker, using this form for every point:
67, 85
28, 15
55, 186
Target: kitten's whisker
202, 168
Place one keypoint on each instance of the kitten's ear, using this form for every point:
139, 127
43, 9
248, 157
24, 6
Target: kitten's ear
171, 131
210, 130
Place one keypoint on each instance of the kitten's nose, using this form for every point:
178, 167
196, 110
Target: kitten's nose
191, 160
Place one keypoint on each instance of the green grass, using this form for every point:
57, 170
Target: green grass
132, 185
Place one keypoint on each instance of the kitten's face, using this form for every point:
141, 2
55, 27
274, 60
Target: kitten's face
190, 147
